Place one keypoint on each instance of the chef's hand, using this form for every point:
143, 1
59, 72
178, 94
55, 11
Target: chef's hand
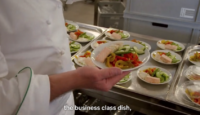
84, 77
100, 79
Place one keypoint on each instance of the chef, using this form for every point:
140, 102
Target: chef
36, 71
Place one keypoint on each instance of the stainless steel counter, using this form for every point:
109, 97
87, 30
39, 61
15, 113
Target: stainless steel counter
138, 95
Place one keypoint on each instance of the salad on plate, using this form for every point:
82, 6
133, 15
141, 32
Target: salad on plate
193, 94
84, 59
123, 57
96, 44
170, 45
166, 57
122, 54
117, 34
147, 46
81, 36
195, 57
125, 79
74, 46
153, 75
70, 27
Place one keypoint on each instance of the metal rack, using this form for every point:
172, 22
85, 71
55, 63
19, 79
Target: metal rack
137, 95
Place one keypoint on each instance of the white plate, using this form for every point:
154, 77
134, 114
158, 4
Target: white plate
180, 44
89, 34
72, 23
76, 60
194, 62
79, 48
93, 43
147, 45
191, 70
178, 57
189, 84
144, 58
108, 35
162, 69
130, 78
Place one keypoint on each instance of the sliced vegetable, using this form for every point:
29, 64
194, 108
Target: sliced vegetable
138, 51
74, 47
156, 72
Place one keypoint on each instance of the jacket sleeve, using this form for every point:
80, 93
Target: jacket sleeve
13, 91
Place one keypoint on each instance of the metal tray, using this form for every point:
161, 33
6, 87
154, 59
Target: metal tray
96, 31
136, 85
174, 94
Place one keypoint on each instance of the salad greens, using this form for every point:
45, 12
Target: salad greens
174, 60
178, 47
128, 49
74, 47
156, 72
136, 41
125, 79
84, 35
71, 27
119, 32
123, 35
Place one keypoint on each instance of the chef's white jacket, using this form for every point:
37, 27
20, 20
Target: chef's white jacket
32, 34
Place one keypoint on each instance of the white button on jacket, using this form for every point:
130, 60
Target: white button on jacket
27, 40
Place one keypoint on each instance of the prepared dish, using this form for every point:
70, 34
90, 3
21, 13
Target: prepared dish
123, 54
170, 45
193, 93
74, 47
117, 34
96, 44
84, 59
70, 27
81, 36
154, 75
195, 57
165, 57
193, 73
119, 55
147, 46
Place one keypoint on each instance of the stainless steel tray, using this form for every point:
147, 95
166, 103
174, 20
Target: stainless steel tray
174, 94
96, 31
138, 86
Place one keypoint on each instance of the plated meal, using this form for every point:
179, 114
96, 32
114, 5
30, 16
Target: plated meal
154, 75
96, 44
71, 26
115, 34
81, 36
166, 57
146, 45
125, 55
193, 93
170, 45
194, 57
74, 46
125, 79
193, 73
84, 59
